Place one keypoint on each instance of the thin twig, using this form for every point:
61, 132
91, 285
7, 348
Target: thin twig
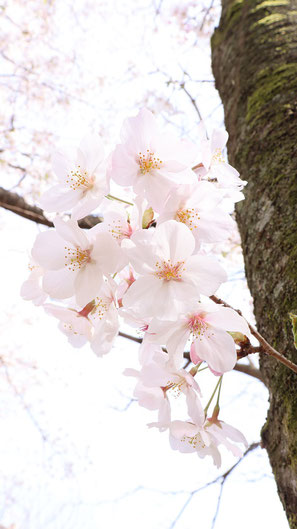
248, 370
193, 101
242, 368
225, 476
265, 346
222, 478
130, 337
206, 15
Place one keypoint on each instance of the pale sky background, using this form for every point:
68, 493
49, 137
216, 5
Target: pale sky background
75, 451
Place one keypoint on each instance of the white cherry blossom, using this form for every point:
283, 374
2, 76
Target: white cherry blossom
157, 373
31, 289
72, 322
170, 274
75, 261
117, 221
203, 436
82, 179
214, 163
97, 322
204, 440
151, 161
197, 207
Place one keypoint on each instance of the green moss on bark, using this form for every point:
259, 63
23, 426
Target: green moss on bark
269, 19
255, 65
270, 3
269, 84
233, 15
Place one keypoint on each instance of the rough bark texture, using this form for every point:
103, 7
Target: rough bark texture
254, 53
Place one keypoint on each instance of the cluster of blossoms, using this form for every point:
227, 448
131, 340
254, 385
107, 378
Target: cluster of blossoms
148, 262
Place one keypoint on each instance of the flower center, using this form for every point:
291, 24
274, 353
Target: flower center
120, 231
101, 307
217, 156
76, 258
175, 388
79, 179
168, 271
148, 162
198, 326
188, 216
195, 441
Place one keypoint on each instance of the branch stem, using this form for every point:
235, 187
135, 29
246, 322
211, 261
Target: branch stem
265, 346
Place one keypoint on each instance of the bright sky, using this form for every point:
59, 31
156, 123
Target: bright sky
73, 456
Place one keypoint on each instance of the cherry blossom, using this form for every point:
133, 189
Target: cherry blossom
207, 325
170, 274
204, 436
151, 161
82, 176
146, 264
197, 207
97, 322
31, 289
214, 163
126, 277
118, 221
74, 261
157, 373
105, 319
75, 325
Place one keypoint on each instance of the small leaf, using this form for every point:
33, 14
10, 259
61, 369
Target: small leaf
238, 337
147, 218
294, 326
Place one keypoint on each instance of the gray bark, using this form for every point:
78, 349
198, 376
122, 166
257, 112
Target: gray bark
254, 53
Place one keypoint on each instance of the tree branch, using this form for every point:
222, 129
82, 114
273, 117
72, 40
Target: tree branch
130, 337
249, 370
222, 478
265, 346
242, 368
17, 204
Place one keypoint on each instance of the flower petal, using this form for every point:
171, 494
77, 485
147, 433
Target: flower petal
49, 250
217, 348
87, 283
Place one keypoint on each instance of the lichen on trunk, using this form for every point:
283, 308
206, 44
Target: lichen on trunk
254, 53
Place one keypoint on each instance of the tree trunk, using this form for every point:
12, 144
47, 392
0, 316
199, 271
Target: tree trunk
254, 52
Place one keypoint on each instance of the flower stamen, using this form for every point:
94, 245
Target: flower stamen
148, 162
188, 216
76, 258
79, 179
169, 271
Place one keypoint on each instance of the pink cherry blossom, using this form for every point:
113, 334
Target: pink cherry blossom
207, 325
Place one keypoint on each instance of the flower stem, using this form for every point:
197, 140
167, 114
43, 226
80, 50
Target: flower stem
213, 394
111, 197
219, 392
